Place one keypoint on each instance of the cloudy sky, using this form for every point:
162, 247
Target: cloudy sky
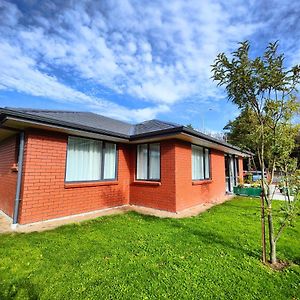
134, 60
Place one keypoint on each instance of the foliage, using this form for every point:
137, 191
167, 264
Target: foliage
190, 126
265, 92
130, 256
290, 209
242, 131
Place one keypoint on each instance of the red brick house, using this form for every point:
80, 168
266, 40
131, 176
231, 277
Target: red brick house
57, 163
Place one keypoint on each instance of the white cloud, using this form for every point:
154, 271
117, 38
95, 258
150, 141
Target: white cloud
20, 73
158, 52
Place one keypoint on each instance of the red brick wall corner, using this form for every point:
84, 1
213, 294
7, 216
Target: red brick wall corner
160, 196
8, 177
45, 195
189, 194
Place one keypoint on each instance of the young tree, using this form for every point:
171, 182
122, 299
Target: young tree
264, 87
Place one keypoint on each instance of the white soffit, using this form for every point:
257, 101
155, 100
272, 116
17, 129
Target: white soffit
211, 144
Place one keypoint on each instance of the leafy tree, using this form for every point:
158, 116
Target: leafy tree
190, 126
296, 152
264, 89
240, 132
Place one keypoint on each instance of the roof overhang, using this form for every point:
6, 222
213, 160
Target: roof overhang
191, 139
12, 122
18, 124
209, 144
6, 133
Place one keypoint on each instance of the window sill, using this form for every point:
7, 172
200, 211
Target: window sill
89, 184
144, 182
200, 182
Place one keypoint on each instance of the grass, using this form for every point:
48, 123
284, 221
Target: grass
215, 255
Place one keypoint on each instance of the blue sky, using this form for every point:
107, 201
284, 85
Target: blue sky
134, 60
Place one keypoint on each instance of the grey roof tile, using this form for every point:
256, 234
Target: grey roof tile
91, 121
152, 126
81, 118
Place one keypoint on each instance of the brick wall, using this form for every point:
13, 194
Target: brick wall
45, 195
189, 193
161, 196
8, 178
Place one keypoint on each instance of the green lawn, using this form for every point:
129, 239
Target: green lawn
213, 256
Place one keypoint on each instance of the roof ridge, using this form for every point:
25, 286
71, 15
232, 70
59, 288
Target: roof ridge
168, 123
124, 122
160, 121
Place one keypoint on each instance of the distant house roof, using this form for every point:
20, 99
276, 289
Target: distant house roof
95, 123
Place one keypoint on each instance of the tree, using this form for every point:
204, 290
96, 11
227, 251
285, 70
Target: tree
266, 89
240, 131
296, 152
190, 126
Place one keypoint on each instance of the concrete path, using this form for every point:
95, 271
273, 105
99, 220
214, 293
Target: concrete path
5, 223
279, 196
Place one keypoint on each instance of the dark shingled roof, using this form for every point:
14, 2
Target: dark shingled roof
87, 119
152, 126
91, 122
100, 122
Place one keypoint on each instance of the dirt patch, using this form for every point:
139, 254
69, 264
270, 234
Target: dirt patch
279, 265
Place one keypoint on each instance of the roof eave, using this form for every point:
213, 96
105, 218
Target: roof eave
20, 116
191, 132
214, 140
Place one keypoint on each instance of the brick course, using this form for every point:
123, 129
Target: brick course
8, 178
190, 193
162, 196
45, 194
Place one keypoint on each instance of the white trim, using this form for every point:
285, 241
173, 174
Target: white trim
210, 144
71, 216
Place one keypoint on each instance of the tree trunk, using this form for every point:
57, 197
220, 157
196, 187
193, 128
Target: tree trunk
263, 195
263, 228
271, 235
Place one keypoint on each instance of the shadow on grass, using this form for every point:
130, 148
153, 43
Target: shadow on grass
22, 289
210, 237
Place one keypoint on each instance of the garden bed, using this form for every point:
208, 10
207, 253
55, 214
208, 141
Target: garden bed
247, 191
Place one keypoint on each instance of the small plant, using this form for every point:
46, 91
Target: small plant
255, 184
248, 178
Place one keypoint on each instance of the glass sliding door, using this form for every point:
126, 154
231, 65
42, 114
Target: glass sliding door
231, 172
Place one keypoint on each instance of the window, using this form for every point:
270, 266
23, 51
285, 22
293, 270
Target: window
200, 163
231, 171
148, 162
90, 160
